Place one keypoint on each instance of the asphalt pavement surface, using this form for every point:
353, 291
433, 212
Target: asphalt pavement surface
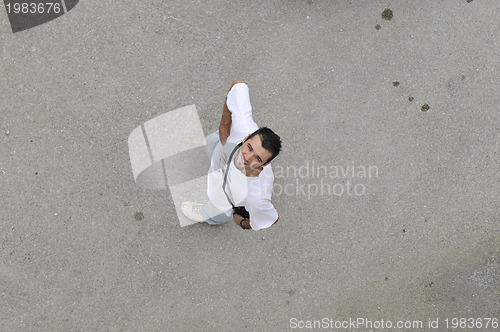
387, 186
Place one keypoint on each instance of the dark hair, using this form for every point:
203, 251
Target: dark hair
270, 141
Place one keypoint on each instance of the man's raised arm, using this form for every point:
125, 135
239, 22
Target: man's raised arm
225, 121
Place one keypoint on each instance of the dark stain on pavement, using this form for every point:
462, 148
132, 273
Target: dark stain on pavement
378, 27
138, 216
387, 14
456, 85
410, 98
395, 83
425, 108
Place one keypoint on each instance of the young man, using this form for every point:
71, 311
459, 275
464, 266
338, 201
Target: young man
240, 179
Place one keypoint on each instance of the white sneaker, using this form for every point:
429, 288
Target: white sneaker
192, 210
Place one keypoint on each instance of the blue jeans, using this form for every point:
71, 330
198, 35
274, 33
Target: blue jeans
212, 215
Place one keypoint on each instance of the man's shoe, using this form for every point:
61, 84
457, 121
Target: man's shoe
192, 210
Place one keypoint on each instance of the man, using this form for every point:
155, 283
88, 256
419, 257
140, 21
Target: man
240, 179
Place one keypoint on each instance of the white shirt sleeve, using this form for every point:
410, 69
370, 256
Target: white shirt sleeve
258, 204
263, 215
238, 103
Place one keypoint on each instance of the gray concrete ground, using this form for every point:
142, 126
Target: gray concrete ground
84, 249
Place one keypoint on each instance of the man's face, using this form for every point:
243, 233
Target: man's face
252, 155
